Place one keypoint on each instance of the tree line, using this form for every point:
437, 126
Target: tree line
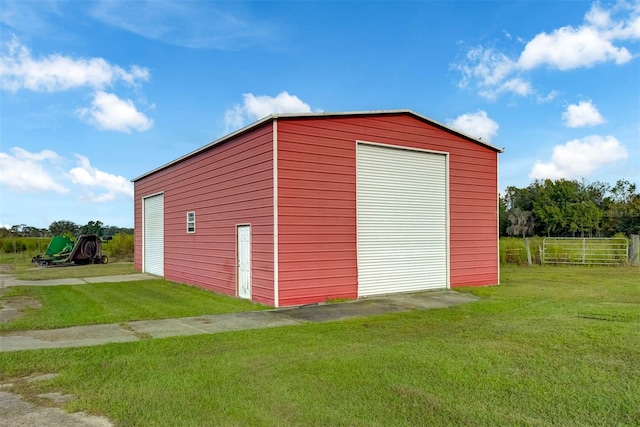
544, 208
570, 208
58, 228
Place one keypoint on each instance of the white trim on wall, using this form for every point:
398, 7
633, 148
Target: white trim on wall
276, 290
191, 229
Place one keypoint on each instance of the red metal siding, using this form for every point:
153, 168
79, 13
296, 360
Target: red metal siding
226, 185
316, 214
317, 199
232, 183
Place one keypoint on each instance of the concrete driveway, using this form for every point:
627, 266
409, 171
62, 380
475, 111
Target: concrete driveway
80, 336
14, 411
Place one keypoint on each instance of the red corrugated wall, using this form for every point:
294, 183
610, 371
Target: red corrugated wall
316, 212
317, 202
228, 185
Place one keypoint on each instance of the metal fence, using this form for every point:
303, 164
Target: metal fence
579, 250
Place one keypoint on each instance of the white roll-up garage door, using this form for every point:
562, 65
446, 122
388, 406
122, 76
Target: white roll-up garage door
402, 220
153, 229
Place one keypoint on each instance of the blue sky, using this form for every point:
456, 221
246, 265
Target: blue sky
96, 93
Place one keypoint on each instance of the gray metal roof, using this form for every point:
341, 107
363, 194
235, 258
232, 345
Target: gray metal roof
318, 114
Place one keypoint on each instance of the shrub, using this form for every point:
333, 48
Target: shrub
512, 250
12, 245
120, 248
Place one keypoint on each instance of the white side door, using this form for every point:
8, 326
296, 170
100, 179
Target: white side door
244, 261
153, 232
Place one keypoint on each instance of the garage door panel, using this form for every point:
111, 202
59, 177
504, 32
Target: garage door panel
402, 220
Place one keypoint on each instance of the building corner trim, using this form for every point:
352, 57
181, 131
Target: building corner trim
276, 290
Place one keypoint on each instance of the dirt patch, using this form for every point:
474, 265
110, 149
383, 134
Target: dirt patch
31, 410
13, 307
58, 398
5, 268
18, 412
140, 335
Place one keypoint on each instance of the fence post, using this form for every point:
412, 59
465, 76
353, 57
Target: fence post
584, 250
634, 254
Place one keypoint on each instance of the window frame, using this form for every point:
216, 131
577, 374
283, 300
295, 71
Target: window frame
191, 224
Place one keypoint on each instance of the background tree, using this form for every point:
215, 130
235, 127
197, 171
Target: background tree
522, 198
503, 216
93, 227
547, 208
622, 209
569, 207
16, 230
521, 223
112, 230
583, 216
58, 228
595, 191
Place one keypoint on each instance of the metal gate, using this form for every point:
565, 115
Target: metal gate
582, 250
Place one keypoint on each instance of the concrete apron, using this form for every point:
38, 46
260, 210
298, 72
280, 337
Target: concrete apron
80, 336
7, 280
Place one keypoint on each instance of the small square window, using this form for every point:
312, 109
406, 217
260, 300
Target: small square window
191, 222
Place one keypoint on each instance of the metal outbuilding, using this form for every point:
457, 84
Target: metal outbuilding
304, 208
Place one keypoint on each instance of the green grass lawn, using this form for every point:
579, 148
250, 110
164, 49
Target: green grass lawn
91, 270
551, 346
87, 304
20, 266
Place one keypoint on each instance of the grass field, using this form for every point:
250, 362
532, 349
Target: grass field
551, 346
91, 270
20, 266
72, 305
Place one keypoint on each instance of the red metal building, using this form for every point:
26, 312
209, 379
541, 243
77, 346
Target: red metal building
303, 208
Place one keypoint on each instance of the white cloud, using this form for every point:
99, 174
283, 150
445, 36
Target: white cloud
108, 112
582, 114
598, 17
87, 176
20, 70
33, 18
579, 158
549, 97
235, 117
26, 172
485, 66
516, 85
627, 29
477, 125
38, 186
598, 40
568, 48
209, 25
257, 107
